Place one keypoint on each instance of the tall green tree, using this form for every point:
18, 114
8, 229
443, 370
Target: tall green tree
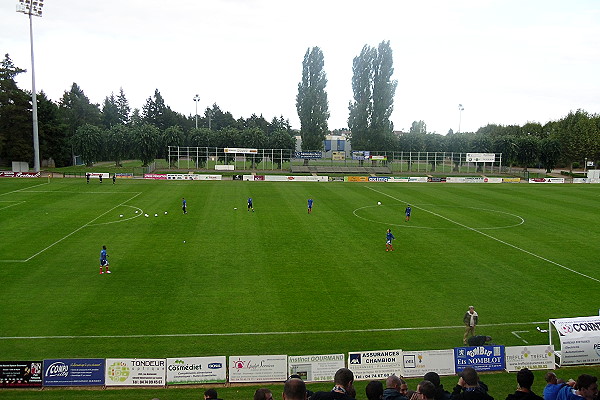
374, 90
16, 142
579, 136
75, 110
361, 109
118, 139
87, 142
123, 109
311, 101
53, 144
550, 152
110, 112
146, 138
527, 150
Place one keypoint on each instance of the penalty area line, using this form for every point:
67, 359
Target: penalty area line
276, 333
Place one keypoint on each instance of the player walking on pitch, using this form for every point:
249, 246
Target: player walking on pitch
103, 260
388, 240
407, 213
184, 205
310, 203
250, 207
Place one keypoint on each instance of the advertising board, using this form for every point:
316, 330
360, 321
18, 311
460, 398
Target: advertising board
196, 370
316, 368
258, 368
74, 372
418, 363
482, 358
531, 357
135, 372
375, 364
20, 374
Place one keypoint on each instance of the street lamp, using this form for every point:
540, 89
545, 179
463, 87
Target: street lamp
33, 8
460, 110
196, 100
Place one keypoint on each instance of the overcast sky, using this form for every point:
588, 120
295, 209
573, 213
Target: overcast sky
506, 61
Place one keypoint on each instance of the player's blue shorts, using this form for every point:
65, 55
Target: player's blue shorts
389, 242
103, 263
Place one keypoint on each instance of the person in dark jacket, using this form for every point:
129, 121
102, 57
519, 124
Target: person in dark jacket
468, 387
374, 390
524, 381
343, 388
440, 393
393, 385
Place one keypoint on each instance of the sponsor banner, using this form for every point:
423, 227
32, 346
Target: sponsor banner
418, 363
258, 368
404, 179
531, 357
375, 364
155, 176
472, 179
435, 179
238, 150
582, 180
20, 374
124, 175
481, 157
224, 167
338, 156
135, 371
546, 180
237, 177
356, 178
193, 177
378, 178
361, 155
336, 179
576, 351
308, 155
8, 174
511, 180
316, 368
482, 358
74, 372
104, 175
196, 370
578, 326
379, 158
289, 178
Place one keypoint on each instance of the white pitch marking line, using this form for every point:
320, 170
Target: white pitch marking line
516, 333
260, 333
10, 205
490, 237
20, 190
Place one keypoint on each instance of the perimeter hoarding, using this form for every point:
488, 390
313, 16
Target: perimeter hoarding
258, 368
482, 358
316, 368
20, 374
196, 370
418, 363
375, 364
530, 357
74, 372
579, 340
135, 371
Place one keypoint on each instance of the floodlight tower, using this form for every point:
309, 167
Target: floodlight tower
196, 100
460, 110
33, 8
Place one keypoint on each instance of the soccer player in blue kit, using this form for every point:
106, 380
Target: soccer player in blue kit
250, 204
310, 203
103, 260
407, 213
184, 205
388, 240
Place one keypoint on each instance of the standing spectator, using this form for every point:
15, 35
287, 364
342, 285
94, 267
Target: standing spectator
263, 394
586, 388
425, 390
471, 319
294, 389
374, 390
552, 386
211, 394
468, 387
524, 383
343, 388
393, 388
440, 393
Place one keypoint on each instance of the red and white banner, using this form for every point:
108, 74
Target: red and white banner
8, 174
155, 176
546, 180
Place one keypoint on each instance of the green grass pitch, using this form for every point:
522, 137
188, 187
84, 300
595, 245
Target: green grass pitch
221, 281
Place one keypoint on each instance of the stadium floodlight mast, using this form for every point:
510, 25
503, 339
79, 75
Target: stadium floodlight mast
33, 8
460, 110
196, 100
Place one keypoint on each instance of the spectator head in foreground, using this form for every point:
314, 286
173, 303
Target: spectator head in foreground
525, 378
210, 394
263, 394
551, 378
587, 386
470, 377
374, 390
426, 389
294, 389
344, 378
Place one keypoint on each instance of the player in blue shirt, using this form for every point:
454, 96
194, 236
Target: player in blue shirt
184, 205
388, 240
407, 213
104, 260
310, 203
250, 204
